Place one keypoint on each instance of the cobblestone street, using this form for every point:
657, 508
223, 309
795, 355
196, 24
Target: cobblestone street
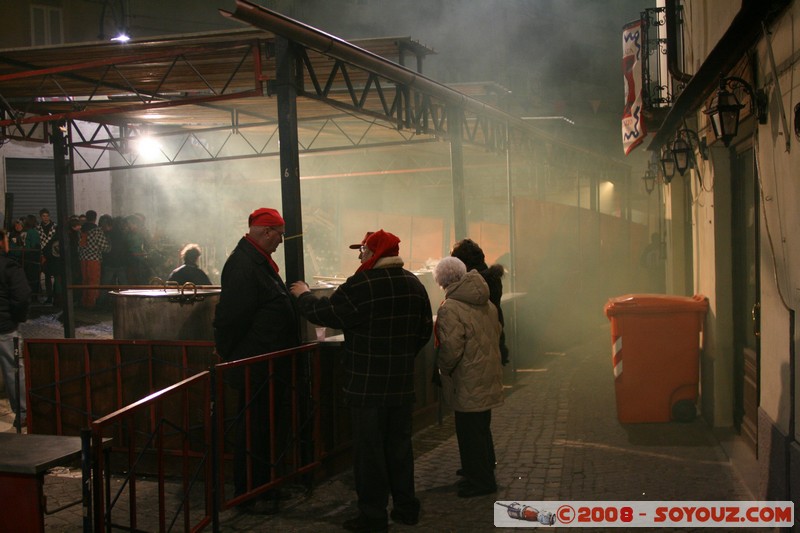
556, 438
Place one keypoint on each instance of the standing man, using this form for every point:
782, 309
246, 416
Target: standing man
385, 314
91, 250
256, 315
15, 295
47, 236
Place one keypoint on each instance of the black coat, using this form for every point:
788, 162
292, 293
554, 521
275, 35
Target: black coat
386, 317
493, 276
256, 313
15, 294
189, 274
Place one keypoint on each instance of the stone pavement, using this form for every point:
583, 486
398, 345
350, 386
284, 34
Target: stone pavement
556, 438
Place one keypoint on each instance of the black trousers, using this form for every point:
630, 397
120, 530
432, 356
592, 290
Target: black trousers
383, 460
259, 450
476, 448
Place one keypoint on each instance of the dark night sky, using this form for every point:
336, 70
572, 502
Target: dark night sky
558, 57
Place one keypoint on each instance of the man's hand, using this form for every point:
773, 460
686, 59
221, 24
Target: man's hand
299, 288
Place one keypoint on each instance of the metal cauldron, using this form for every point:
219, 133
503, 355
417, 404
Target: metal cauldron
182, 313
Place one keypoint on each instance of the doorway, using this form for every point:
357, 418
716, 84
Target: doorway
746, 303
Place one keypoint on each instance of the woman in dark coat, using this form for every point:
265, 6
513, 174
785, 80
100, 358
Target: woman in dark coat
472, 256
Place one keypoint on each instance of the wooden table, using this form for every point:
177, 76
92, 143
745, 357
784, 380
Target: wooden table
24, 460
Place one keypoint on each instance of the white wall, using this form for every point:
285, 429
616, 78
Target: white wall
780, 221
91, 191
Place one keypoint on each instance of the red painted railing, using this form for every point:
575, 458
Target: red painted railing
168, 448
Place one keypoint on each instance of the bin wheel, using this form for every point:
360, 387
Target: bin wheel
684, 411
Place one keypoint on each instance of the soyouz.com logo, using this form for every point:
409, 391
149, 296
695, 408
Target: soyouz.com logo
643, 514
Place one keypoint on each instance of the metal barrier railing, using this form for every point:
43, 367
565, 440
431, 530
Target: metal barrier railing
72, 382
180, 434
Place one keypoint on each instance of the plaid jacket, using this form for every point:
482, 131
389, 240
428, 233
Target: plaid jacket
96, 246
386, 317
47, 234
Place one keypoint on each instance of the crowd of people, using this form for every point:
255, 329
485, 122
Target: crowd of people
105, 251
385, 315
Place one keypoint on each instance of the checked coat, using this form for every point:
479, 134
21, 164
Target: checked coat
386, 318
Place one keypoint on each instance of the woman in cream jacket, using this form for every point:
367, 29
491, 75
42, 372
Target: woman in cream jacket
468, 334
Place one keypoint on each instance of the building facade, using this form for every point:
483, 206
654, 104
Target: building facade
732, 218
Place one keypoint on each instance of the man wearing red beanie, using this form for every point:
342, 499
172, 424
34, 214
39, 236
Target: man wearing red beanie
256, 315
385, 314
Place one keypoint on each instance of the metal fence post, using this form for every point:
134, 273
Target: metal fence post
86, 478
215, 451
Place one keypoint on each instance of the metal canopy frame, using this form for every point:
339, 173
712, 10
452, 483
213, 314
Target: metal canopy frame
278, 90
221, 86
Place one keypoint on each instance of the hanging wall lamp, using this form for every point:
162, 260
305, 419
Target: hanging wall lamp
667, 164
683, 151
649, 180
725, 106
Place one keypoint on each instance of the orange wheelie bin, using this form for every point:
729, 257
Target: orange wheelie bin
656, 341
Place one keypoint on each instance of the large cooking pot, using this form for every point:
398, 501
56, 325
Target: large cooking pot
164, 314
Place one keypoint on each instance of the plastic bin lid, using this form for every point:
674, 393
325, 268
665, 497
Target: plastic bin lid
655, 303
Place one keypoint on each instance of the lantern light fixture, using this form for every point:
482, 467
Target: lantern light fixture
649, 179
667, 164
683, 151
723, 113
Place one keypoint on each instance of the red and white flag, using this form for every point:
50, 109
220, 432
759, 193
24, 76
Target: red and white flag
633, 127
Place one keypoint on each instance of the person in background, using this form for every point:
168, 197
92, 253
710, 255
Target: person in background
467, 333
189, 271
257, 315
16, 240
472, 256
32, 257
91, 249
385, 314
114, 266
74, 238
47, 238
138, 248
15, 295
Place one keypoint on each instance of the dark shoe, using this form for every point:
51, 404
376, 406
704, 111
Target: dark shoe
362, 524
408, 519
468, 490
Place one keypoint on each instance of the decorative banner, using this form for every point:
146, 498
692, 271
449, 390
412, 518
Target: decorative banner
633, 127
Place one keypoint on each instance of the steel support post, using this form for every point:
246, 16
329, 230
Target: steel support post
454, 126
286, 90
63, 186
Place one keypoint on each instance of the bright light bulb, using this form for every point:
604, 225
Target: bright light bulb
148, 147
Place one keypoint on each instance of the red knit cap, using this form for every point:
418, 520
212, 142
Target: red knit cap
265, 216
382, 244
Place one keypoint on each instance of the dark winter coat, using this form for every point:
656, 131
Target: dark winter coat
493, 276
189, 274
256, 313
385, 315
15, 294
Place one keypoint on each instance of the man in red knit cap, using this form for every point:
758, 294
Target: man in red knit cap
256, 315
385, 314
